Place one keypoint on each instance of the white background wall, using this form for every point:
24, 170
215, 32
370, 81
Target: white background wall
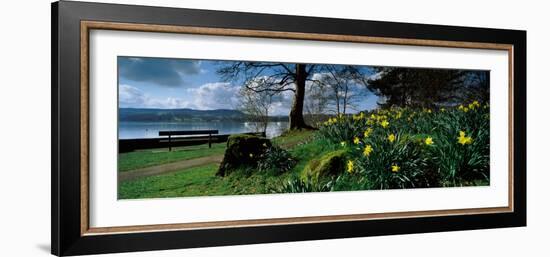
25, 111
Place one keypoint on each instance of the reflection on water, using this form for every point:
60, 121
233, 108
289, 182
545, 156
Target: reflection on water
127, 130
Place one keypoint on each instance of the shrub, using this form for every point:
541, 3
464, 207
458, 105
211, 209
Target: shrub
276, 160
242, 151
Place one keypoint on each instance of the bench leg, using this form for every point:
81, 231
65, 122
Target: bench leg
209, 140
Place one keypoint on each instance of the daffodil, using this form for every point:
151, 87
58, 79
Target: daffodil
356, 140
343, 143
398, 115
391, 138
367, 150
350, 166
359, 116
463, 139
395, 168
384, 123
462, 108
429, 141
367, 132
473, 105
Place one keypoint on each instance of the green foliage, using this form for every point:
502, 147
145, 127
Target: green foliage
276, 160
401, 86
298, 185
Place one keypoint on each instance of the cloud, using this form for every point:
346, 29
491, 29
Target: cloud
129, 96
132, 97
210, 96
281, 103
218, 95
163, 72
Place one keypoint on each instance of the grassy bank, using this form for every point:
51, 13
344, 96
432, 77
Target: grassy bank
202, 181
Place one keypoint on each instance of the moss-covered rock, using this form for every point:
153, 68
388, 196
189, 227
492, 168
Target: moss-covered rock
242, 151
330, 164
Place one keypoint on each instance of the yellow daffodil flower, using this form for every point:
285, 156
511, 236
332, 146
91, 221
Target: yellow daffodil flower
384, 123
367, 150
350, 166
367, 132
463, 139
429, 141
391, 138
395, 168
356, 140
343, 143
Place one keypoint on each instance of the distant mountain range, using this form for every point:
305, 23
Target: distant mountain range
182, 115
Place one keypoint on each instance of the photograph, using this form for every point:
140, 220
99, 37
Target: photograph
176, 126
192, 127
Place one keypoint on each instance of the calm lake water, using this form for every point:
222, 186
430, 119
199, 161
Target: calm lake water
127, 130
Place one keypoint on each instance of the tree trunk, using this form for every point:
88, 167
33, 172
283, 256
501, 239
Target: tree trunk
296, 117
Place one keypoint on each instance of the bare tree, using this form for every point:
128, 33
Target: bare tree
256, 105
316, 102
344, 85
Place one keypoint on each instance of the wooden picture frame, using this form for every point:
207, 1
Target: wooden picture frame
71, 25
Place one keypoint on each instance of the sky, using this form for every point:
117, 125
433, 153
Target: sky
183, 83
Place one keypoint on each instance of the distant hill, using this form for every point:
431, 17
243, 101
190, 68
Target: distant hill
178, 115
182, 115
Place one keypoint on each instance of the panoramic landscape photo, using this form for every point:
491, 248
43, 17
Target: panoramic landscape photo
208, 127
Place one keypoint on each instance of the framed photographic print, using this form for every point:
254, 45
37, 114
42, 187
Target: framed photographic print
178, 128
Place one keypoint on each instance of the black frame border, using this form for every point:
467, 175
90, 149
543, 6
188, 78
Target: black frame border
66, 236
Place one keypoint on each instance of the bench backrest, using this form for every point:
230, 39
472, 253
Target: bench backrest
187, 132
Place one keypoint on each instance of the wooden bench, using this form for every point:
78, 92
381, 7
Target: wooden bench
188, 133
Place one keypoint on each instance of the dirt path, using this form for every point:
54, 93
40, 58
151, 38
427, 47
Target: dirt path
169, 167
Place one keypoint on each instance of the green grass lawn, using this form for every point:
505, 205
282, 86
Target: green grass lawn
198, 181
202, 181
291, 138
141, 159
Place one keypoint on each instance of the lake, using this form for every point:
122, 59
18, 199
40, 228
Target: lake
130, 129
